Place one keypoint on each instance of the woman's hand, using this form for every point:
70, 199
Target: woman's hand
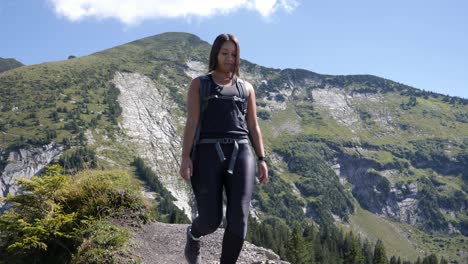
186, 169
262, 171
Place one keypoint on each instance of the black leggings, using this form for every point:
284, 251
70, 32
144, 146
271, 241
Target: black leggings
208, 179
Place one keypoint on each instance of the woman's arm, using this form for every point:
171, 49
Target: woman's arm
193, 114
256, 133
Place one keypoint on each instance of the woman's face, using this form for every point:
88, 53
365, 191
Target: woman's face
227, 57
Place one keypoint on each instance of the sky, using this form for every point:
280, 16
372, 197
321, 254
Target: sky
421, 43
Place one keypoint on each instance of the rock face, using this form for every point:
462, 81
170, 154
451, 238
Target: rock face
164, 243
25, 163
150, 122
347, 109
375, 193
338, 105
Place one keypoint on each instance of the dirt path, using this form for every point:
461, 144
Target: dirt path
160, 243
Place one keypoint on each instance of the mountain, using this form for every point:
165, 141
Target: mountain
364, 153
8, 64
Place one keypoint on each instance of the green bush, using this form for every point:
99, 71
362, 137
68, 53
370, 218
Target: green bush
78, 159
428, 205
102, 240
318, 180
107, 193
55, 216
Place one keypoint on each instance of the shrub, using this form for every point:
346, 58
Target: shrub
55, 216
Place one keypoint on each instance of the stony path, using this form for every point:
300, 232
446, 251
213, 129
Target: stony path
160, 243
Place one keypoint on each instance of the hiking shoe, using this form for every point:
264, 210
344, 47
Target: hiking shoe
192, 249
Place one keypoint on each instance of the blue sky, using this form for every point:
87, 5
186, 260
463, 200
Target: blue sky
419, 43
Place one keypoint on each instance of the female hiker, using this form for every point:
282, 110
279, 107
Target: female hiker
216, 153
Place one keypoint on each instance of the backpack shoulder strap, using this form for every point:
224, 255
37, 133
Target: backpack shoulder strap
242, 93
242, 88
205, 88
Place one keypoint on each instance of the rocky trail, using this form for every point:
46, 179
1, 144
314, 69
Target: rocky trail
159, 243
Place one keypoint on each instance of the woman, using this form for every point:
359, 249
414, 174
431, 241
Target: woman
215, 155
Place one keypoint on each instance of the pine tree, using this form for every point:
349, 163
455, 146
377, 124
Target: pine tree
37, 221
312, 240
380, 256
352, 250
367, 252
431, 259
296, 250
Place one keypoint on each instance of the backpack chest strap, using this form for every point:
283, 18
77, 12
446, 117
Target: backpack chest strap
224, 97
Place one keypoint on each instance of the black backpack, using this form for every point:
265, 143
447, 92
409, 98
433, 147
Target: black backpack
205, 91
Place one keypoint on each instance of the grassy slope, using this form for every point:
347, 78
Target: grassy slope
405, 240
374, 227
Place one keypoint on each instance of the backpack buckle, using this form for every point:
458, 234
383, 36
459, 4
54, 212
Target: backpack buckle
227, 140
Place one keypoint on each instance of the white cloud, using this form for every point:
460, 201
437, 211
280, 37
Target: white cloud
134, 11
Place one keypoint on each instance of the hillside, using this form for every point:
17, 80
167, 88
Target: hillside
8, 64
332, 141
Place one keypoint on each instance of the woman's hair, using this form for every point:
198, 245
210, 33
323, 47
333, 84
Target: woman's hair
219, 41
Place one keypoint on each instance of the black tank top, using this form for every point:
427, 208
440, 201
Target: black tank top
223, 117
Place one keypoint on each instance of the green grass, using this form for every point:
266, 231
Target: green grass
446, 246
405, 240
112, 153
453, 183
382, 157
374, 227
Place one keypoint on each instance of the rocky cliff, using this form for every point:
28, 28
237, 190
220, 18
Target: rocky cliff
150, 120
24, 163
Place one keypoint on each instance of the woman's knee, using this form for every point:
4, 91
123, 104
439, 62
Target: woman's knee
238, 227
208, 226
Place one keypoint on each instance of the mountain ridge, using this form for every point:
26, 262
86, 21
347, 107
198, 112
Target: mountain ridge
8, 64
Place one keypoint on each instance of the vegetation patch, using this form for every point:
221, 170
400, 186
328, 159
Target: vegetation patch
59, 218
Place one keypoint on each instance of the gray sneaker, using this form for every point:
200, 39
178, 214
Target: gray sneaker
192, 249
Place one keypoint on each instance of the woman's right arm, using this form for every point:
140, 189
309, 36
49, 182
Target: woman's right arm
193, 114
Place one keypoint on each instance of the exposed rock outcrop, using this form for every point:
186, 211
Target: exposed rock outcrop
195, 68
337, 105
349, 109
375, 193
150, 122
25, 163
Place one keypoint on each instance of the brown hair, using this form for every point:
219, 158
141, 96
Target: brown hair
219, 41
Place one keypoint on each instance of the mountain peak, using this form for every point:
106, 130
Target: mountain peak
8, 64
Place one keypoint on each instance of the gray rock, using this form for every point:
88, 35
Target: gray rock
25, 163
150, 123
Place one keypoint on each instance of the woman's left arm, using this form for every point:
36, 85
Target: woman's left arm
256, 133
